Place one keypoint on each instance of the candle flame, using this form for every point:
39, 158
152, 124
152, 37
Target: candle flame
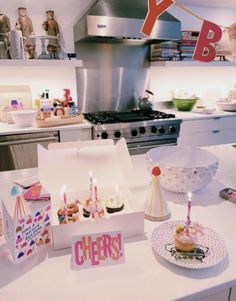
90, 174
116, 188
62, 190
94, 181
189, 195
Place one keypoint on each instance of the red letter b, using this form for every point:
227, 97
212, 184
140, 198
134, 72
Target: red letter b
210, 33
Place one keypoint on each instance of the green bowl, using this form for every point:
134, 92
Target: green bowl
184, 104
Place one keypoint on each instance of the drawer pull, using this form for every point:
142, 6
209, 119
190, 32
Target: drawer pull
215, 131
217, 117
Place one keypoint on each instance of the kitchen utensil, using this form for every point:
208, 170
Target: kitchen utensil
183, 104
145, 104
183, 169
23, 118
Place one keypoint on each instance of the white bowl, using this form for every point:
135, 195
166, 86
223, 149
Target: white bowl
183, 169
23, 118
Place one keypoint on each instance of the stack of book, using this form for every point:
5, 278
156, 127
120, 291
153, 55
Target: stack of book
165, 51
187, 44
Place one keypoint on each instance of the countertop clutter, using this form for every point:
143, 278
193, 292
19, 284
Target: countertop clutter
144, 275
7, 129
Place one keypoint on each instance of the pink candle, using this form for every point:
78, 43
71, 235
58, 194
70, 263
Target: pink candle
64, 198
91, 185
189, 204
95, 189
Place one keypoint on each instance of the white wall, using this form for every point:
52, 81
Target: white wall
209, 83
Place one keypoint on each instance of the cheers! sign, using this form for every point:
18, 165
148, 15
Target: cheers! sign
99, 249
210, 32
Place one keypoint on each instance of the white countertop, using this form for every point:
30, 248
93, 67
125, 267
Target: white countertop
8, 129
144, 276
194, 116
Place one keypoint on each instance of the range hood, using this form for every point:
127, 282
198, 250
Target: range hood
117, 20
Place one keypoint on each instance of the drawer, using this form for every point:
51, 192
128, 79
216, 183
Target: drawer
214, 123
75, 134
213, 137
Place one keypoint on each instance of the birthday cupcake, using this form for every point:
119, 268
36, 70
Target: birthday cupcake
69, 215
93, 209
185, 238
115, 203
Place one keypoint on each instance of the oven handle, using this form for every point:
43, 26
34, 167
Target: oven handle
28, 141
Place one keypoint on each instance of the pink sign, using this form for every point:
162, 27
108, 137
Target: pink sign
100, 249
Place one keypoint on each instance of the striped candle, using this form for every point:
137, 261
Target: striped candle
64, 198
189, 204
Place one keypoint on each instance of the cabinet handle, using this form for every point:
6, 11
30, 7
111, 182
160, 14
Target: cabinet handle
215, 131
217, 117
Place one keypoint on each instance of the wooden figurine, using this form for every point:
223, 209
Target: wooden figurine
52, 28
5, 28
24, 24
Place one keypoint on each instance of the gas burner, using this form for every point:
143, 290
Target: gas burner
109, 117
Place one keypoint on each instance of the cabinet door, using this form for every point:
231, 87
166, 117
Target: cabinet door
206, 138
221, 296
75, 134
233, 294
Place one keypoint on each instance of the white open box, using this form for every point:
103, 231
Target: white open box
69, 164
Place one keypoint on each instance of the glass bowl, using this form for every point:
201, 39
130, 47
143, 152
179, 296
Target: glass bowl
182, 104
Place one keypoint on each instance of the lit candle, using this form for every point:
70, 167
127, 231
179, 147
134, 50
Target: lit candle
64, 198
95, 189
91, 184
189, 204
117, 192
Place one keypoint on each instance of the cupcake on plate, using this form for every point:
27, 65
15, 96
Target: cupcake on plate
185, 238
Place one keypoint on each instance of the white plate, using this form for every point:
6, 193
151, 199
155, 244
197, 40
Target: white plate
210, 243
204, 110
227, 106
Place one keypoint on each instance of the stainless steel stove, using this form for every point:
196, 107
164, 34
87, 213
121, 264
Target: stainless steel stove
142, 130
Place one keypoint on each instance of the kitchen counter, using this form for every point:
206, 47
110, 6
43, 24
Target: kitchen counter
8, 129
194, 116
144, 276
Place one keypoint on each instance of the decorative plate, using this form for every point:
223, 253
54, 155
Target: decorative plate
209, 251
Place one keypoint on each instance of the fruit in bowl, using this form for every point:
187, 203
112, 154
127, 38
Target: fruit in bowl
185, 104
23, 118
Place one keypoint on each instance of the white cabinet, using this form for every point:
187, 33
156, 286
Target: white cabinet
221, 296
233, 294
69, 135
208, 131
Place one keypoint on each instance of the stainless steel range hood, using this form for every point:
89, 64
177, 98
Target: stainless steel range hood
116, 20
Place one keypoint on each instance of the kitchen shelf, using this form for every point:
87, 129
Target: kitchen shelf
41, 63
192, 64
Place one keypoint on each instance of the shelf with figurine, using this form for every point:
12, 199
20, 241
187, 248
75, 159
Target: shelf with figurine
22, 47
56, 112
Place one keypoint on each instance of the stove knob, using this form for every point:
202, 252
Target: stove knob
134, 132
142, 130
162, 130
153, 129
172, 129
104, 135
117, 134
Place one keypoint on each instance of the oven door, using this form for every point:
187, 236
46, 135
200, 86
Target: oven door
141, 147
19, 151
